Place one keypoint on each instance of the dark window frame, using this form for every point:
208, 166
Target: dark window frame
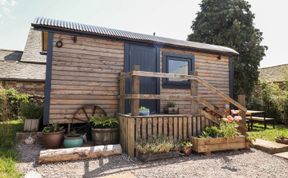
165, 68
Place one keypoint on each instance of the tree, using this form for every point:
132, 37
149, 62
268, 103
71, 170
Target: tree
230, 23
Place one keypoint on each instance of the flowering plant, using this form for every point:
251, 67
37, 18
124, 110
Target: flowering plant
227, 128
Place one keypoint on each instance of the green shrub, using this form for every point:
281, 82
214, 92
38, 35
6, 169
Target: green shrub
272, 98
104, 122
31, 111
155, 145
54, 127
10, 102
7, 164
212, 131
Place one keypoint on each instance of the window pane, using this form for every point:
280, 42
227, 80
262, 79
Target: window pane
178, 67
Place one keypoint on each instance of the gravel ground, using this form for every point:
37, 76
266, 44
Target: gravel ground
251, 163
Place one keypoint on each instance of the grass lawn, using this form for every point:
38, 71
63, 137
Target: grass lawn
8, 156
268, 134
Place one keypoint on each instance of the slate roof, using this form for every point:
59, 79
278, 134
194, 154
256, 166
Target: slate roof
29, 65
60, 25
33, 48
10, 55
22, 71
277, 73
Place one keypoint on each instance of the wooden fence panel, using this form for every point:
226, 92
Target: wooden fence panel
176, 127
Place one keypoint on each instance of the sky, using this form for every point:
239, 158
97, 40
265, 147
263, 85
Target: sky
168, 18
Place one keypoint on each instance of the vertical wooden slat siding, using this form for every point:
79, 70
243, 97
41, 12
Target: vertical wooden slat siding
177, 128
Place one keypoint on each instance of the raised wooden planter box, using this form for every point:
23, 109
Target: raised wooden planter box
208, 145
157, 156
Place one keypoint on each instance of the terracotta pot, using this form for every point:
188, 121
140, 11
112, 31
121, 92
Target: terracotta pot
105, 136
53, 140
187, 151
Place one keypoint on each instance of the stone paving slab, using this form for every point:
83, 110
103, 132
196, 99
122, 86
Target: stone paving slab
269, 147
282, 155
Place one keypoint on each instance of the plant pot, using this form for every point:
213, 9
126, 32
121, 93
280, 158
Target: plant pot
105, 136
71, 142
282, 140
171, 110
187, 151
53, 140
144, 113
31, 125
156, 156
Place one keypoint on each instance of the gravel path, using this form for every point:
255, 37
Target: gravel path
252, 163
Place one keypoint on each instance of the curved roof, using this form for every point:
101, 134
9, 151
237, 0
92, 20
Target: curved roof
60, 25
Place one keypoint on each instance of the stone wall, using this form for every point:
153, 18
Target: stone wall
29, 87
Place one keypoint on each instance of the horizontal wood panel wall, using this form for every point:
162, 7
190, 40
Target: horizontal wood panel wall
181, 127
210, 68
84, 72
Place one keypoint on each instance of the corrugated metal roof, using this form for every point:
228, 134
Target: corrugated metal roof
42, 22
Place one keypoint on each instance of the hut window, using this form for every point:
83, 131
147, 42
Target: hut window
44, 41
179, 64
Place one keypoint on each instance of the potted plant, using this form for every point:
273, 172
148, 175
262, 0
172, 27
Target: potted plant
155, 149
52, 136
105, 130
282, 139
143, 111
73, 139
186, 148
170, 108
224, 137
32, 113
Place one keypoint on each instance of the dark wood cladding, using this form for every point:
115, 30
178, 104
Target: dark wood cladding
84, 72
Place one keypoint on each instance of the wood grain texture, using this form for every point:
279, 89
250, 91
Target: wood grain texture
85, 72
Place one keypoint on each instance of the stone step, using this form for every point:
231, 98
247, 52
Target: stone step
282, 155
270, 147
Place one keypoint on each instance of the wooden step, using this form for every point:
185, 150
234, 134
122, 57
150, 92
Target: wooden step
269, 147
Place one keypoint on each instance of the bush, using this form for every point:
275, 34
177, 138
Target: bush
272, 98
10, 102
31, 111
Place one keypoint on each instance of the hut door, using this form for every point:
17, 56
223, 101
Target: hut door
147, 57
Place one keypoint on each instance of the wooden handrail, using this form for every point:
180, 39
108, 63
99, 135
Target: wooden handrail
186, 77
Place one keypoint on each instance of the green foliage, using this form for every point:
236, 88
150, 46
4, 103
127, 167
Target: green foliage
54, 127
268, 134
226, 129
186, 144
212, 131
271, 98
155, 145
7, 164
10, 102
104, 122
144, 109
31, 111
8, 131
230, 23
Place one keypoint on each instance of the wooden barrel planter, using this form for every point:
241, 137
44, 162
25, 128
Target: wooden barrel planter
105, 136
208, 145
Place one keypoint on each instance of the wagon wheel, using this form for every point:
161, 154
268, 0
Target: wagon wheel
86, 111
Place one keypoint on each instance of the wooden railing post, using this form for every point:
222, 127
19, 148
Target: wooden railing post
194, 93
122, 93
135, 102
242, 123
